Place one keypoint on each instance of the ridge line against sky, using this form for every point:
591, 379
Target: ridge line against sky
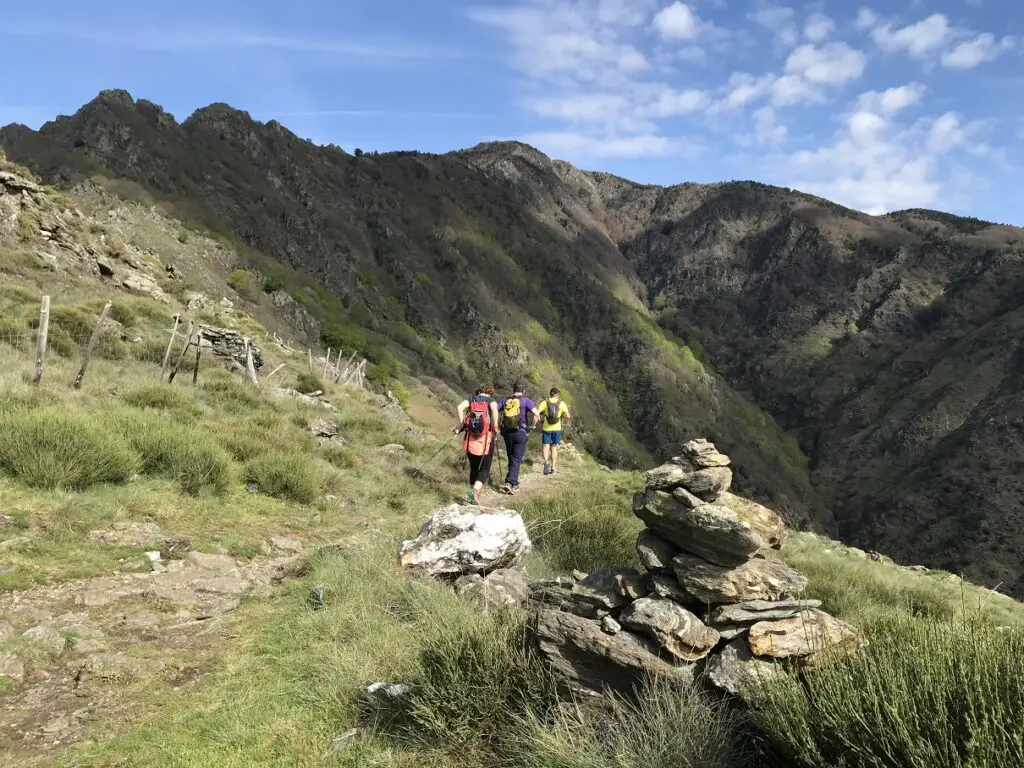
901, 104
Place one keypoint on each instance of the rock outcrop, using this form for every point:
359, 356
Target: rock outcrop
712, 598
457, 541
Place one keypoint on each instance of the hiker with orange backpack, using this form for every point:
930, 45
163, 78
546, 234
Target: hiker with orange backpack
515, 428
478, 422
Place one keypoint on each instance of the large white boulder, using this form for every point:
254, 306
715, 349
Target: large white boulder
457, 540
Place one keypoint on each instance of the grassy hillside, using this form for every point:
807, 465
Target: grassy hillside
220, 658
432, 265
885, 347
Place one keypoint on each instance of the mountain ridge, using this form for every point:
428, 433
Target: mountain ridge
885, 344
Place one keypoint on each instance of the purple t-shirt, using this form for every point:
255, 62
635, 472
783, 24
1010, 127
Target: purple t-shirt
525, 406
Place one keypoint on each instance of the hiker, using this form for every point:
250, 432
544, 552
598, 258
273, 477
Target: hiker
515, 429
554, 411
478, 422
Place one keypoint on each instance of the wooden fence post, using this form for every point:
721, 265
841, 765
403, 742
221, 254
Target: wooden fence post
44, 327
199, 353
271, 374
250, 369
167, 354
327, 361
92, 343
309, 352
181, 357
344, 372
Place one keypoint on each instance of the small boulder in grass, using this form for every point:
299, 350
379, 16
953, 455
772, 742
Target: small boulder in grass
457, 540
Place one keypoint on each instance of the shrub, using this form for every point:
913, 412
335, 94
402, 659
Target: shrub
943, 695
343, 336
163, 397
241, 282
289, 476
151, 351
28, 227
227, 391
54, 449
341, 456
473, 678
307, 383
183, 236
273, 283
178, 452
667, 725
14, 331
399, 390
584, 527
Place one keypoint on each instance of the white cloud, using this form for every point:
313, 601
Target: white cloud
818, 28
876, 165
584, 71
780, 19
767, 129
568, 144
744, 88
946, 132
831, 64
892, 100
671, 103
562, 44
971, 53
866, 18
918, 39
677, 22
793, 89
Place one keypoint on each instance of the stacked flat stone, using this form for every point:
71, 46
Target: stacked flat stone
709, 595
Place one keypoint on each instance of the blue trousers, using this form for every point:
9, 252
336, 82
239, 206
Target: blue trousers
515, 447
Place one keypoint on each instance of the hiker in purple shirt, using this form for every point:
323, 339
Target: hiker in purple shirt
512, 412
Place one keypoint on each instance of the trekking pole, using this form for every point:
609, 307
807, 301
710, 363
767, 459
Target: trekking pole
497, 452
418, 472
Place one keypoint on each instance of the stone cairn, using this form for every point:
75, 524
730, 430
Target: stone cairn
709, 600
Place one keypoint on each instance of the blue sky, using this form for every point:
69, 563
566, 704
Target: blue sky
879, 107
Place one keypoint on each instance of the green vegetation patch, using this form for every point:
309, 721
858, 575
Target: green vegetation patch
291, 476
53, 448
179, 452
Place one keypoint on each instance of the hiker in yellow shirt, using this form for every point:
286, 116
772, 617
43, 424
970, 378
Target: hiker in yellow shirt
554, 411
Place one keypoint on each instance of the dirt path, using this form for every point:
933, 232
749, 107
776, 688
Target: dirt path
532, 479
88, 652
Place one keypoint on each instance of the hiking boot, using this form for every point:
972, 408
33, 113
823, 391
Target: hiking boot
514, 490
472, 497
506, 488
547, 469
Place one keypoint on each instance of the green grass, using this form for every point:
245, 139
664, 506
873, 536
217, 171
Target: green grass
307, 383
292, 476
664, 727
924, 693
183, 453
50, 448
587, 525
180, 404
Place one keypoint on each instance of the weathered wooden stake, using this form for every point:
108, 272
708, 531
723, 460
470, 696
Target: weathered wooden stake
271, 374
92, 343
347, 366
199, 353
327, 361
309, 352
44, 327
181, 357
250, 369
167, 354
